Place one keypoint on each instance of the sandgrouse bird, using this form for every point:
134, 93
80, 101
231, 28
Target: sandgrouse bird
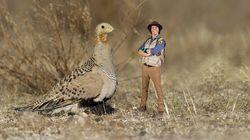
93, 82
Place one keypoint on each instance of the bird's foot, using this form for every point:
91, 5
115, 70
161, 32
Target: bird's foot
101, 108
97, 108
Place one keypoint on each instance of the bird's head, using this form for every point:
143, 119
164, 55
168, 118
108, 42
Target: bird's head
102, 30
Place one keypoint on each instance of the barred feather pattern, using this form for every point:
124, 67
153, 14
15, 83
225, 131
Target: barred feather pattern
61, 95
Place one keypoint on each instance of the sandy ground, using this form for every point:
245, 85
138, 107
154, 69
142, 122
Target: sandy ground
125, 123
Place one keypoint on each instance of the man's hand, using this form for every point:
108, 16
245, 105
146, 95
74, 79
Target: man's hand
149, 51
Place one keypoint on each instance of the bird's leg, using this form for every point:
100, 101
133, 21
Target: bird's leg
104, 107
96, 111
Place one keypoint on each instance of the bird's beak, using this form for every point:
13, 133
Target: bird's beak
111, 29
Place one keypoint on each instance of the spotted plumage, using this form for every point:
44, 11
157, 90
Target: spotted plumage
94, 81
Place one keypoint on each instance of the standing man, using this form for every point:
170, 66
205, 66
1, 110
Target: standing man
152, 53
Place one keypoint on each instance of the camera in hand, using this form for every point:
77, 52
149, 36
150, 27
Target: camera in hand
144, 50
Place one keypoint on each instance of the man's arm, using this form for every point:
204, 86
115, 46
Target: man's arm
141, 47
141, 51
143, 54
158, 48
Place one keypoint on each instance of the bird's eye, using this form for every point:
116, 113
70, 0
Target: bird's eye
102, 26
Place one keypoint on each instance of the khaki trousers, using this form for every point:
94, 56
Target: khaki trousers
153, 73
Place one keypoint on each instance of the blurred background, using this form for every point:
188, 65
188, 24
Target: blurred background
198, 33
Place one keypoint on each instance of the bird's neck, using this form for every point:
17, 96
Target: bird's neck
103, 57
102, 38
102, 54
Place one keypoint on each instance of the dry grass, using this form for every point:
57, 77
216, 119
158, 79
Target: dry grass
35, 55
206, 79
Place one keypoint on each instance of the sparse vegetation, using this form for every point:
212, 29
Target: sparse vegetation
48, 44
206, 78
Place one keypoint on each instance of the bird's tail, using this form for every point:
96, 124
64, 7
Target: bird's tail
23, 108
47, 105
32, 106
53, 104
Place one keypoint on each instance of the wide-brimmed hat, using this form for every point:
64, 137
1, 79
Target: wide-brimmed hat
154, 23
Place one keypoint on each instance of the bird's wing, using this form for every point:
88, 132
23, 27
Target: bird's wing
82, 83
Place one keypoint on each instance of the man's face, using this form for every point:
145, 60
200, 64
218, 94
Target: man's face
154, 30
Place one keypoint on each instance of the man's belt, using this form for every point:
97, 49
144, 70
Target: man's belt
147, 65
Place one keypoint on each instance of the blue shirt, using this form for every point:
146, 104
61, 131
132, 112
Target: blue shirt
161, 44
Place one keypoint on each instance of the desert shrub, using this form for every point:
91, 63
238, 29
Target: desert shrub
44, 45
